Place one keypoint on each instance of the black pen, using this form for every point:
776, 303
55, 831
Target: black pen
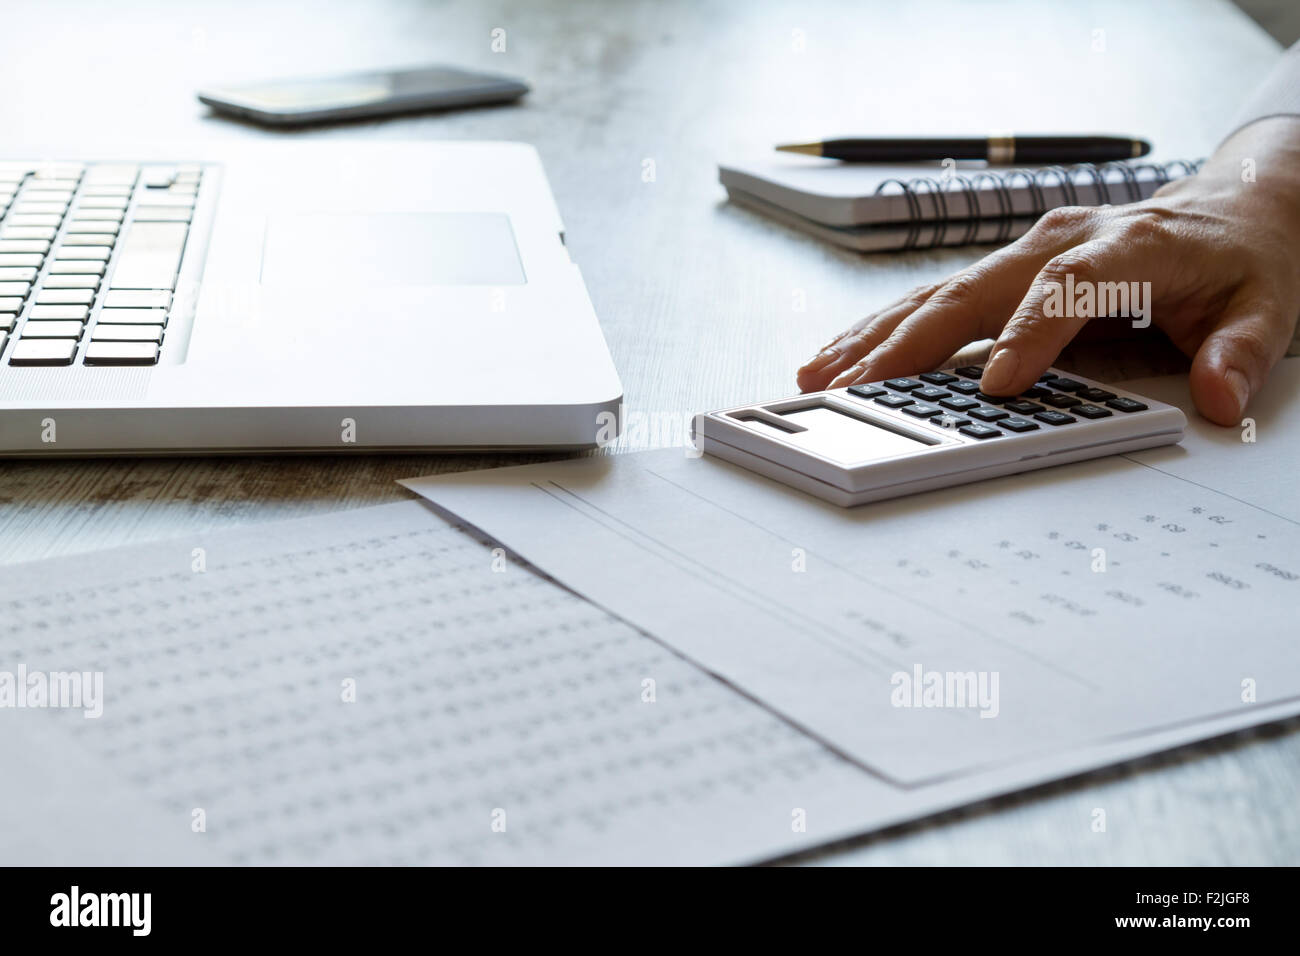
997, 150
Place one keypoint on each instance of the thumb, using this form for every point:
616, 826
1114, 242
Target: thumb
1236, 357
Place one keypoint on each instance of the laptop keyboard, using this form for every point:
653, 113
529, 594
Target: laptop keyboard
89, 256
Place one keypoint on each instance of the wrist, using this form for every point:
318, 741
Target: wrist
1256, 170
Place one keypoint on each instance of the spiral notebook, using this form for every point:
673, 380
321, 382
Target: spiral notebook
875, 208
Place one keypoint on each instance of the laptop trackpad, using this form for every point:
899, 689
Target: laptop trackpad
391, 249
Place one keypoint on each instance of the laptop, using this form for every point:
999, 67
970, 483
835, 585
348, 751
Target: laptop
305, 297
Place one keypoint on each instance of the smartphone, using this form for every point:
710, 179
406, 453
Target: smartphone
356, 95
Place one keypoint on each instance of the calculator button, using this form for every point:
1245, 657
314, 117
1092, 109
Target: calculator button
949, 421
1091, 411
1061, 401
962, 387
995, 399
958, 403
987, 414
893, 401
1126, 405
1024, 408
970, 371
1054, 418
1046, 377
980, 431
1095, 394
902, 384
1034, 391
930, 393
1018, 425
1066, 384
866, 391
920, 410
937, 378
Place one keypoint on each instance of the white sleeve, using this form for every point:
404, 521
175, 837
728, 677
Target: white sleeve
1278, 95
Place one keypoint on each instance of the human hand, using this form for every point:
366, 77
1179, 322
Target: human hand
1222, 256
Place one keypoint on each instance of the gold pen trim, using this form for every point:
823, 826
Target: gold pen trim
1002, 150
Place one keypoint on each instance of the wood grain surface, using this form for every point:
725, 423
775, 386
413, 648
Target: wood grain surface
703, 304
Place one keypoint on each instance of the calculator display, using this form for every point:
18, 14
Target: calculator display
845, 438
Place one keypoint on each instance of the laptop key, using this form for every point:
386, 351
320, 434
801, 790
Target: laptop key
24, 245
126, 333
150, 256
137, 299
100, 253
28, 232
90, 239
96, 226
133, 316
65, 297
77, 267
121, 353
33, 220
70, 282
42, 312
52, 330
43, 352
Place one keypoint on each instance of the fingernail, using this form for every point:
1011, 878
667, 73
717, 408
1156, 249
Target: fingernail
999, 371
821, 360
1239, 386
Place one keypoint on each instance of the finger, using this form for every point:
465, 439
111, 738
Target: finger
849, 346
1073, 287
958, 313
973, 304
1236, 357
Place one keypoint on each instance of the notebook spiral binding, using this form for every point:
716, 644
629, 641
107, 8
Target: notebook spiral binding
1063, 177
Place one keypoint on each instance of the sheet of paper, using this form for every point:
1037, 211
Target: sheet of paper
1091, 609
1258, 462
378, 686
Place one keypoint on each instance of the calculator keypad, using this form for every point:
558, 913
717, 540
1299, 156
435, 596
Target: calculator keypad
951, 400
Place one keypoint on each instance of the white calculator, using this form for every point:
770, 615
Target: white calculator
906, 435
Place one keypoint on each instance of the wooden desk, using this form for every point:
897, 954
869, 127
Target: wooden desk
699, 300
